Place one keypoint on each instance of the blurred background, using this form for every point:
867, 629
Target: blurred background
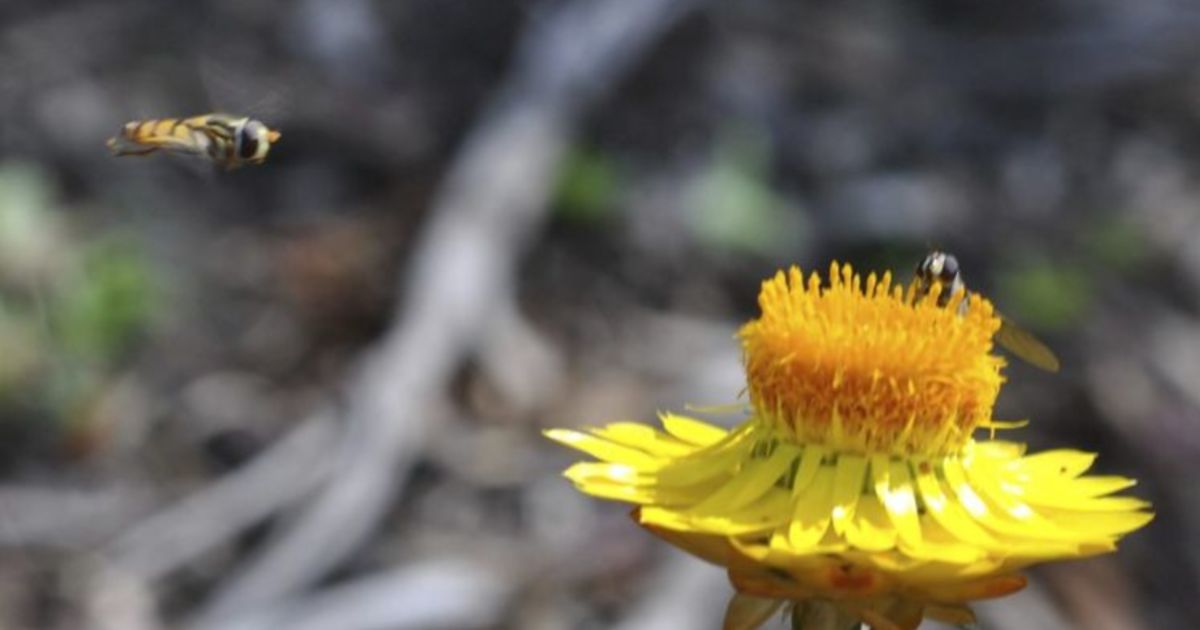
309, 394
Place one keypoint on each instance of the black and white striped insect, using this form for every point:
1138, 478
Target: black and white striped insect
942, 269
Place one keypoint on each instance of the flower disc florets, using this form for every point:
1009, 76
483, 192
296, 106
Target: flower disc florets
870, 368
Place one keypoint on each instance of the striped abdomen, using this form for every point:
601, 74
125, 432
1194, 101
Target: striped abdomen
229, 141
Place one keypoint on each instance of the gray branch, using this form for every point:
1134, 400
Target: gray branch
435, 594
492, 200
291, 469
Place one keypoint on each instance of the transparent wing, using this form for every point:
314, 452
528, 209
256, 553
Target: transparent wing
746, 612
120, 145
232, 87
1025, 346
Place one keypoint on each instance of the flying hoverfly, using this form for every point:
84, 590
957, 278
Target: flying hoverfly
228, 141
942, 268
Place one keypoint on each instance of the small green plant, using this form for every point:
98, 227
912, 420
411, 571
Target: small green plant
70, 308
588, 187
734, 207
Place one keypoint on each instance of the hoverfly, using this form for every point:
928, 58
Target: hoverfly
942, 268
228, 141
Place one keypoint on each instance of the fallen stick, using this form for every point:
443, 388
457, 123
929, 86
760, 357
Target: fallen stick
489, 205
434, 594
68, 520
290, 469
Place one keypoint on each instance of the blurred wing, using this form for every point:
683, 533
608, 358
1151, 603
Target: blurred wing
1025, 346
181, 154
120, 145
746, 612
229, 85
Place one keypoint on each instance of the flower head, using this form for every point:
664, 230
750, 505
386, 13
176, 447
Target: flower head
870, 369
856, 482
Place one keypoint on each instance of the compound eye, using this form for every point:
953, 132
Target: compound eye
250, 139
247, 143
949, 267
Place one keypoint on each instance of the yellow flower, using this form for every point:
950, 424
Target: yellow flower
856, 487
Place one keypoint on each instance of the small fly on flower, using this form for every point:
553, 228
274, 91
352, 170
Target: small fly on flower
942, 269
226, 140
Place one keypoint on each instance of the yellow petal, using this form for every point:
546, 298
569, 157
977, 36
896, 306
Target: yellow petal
810, 463
603, 449
1087, 487
939, 545
948, 512
719, 459
847, 488
893, 486
872, 529
812, 512
765, 514
748, 484
628, 494
714, 549
644, 438
1067, 500
1099, 524
603, 472
1005, 513
1008, 518
665, 518
1055, 463
692, 430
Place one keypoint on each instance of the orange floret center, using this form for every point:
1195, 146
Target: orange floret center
874, 368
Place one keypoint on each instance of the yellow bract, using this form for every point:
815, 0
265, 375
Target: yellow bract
856, 482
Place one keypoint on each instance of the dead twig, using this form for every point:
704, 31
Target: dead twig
490, 203
67, 520
435, 594
115, 599
290, 469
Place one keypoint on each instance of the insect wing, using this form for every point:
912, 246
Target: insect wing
230, 86
1025, 346
746, 612
120, 145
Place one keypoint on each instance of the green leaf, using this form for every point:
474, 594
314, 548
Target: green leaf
734, 206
